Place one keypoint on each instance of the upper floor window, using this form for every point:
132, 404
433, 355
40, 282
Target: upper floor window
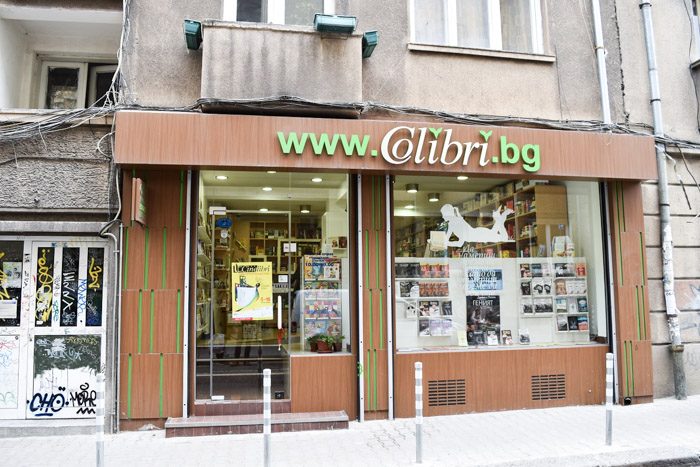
511, 25
74, 85
276, 11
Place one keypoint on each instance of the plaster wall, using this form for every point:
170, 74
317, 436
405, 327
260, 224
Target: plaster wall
13, 56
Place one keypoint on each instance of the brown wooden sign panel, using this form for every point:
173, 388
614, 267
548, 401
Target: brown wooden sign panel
257, 142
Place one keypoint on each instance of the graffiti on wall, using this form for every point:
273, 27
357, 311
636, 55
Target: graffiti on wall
95, 277
44, 287
69, 287
9, 371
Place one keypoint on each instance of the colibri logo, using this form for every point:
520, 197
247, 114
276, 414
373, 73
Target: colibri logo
420, 145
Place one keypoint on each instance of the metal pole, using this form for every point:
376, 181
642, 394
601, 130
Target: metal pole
100, 420
600, 55
360, 310
419, 412
389, 301
664, 210
266, 414
609, 363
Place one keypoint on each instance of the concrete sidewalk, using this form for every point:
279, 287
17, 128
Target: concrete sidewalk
666, 429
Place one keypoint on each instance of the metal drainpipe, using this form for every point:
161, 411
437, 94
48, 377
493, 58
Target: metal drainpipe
664, 210
602, 68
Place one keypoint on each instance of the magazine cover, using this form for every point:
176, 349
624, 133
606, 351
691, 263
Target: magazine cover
433, 289
543, 305
583, 305
560, 305
526, 287
318, 267
582, 323
525, 271
430, 270
429, 308
407, 270
491, 337
251, 284
424, 327
476, 338
560, 286
524, 336
564, 270
481, 279
536, 269
581, 269
562, 323
408, 289
506, 337
576, 287
483, 310
526, 306
447, 308
573, 323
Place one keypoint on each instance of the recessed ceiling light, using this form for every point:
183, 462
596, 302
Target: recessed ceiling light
434, 197
317, 179
272, 171
221, 177
409, 206
462, 178
263, 209
412, 188
267, 188
304, 208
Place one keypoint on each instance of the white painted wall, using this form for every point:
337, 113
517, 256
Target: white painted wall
13, 58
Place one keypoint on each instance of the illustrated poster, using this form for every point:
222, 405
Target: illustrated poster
251, 284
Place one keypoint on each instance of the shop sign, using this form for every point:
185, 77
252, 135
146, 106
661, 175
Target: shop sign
421, 145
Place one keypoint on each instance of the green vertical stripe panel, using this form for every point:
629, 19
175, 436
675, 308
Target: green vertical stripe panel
619, 232
371, 319
622, 202
641, 257
628, 366
377, 250
126, 255
644, 313
632, 367
165, 255
128, 388
145, 260
140, 320
639, 327
374, 382
366, 258
151, 322
374, 215
381, 319
160, 392
368, 372
182, 194
378, 211
625, 378
177, 334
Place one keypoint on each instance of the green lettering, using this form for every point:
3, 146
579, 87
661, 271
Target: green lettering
292, 140
507, 149
531, 157
354, 145
323, 143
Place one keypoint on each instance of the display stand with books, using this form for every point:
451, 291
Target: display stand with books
423, 290
321, 297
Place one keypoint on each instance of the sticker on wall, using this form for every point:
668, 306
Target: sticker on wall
457, 226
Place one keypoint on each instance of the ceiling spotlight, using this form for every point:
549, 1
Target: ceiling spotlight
304, 208
267, 188
433, 197
317, 179
462, 178
412, 188
409, 206
272, 171
262, 209
221, 177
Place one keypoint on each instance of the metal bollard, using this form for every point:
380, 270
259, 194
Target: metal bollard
419, 412
100, 420
266, 414
609, 363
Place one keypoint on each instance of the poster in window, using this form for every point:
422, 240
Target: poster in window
251, 284
483, 315
482, 279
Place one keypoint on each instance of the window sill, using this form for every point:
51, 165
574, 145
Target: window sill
39, 115
529, 57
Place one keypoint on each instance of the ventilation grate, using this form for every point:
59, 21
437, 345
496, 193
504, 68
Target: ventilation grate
548, 387
445, 392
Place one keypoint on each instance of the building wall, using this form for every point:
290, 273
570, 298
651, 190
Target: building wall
12, 60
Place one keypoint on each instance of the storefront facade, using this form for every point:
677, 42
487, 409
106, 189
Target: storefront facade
507, 260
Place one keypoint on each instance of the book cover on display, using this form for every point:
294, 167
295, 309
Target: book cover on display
433, 289
526, 287
447, 308
581, 269
582, 305
564, 270
506, 337
526, 306
524, 336
536, 269
430, 270
491, 337
318, 267
560, 286
543, 305
573, 323
483, 315
407, 270
424, 327
562, 323
428, 308
525, 271
408, 289
560, 305
252, 291
541, 286
481, 279
582, 323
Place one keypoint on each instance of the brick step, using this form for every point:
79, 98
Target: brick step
253, 423
247, 407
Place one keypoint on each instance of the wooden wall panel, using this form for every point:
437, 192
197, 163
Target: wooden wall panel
374, 294
324, 383
634, 364
501, 380
152, 314
191, 139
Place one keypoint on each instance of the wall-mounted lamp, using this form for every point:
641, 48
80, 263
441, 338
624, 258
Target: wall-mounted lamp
336, 24
193, 34
305, 209
433, 197
412, 188
369, 42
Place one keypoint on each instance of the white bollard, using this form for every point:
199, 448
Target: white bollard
100, 420
609, 364
267, 414
419, 412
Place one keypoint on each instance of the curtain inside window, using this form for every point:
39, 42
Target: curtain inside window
251, 11
302, 11
429, 17
473, 23
515, 25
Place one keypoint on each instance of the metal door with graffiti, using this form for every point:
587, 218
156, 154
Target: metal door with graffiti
54, 346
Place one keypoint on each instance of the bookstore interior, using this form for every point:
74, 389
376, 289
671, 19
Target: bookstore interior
480, 263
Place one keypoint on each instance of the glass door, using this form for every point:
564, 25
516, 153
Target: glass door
245, 263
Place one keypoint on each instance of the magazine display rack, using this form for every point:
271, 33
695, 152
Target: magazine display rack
321, 297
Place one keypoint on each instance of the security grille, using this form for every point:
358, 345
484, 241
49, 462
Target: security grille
445, 392
548, 387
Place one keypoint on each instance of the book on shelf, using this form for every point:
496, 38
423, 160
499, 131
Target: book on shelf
506, 337
543, 305
562, 323
582, 323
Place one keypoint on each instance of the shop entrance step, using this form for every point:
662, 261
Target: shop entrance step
253, 423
